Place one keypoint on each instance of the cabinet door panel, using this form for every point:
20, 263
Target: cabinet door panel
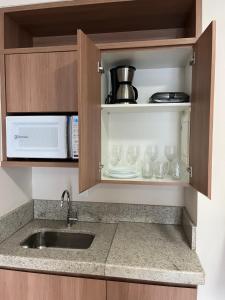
41, 82
31, 286
132, 291
202, 111
89, 95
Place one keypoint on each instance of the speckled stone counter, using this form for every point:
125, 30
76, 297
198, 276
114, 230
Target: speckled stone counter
155, 253
91, 261
137, 251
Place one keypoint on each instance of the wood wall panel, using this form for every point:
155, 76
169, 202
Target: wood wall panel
41, 82
89, 95
198, 9
14, 35
132, 291
2, 109
31, 286
2, 92
202, 111
111, 37
101, 16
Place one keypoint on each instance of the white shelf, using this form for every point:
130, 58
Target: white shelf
133, 108
139, 180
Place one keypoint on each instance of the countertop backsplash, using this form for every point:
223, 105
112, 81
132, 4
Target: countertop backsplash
99, 212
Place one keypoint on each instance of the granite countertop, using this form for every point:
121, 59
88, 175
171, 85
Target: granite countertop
153, 252
137, 251
90, 261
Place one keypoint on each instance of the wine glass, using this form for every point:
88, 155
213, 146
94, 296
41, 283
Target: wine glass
116, 154
150, 155
132, 154
151, 152
171, 154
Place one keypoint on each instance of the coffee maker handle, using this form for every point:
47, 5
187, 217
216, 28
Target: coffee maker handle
136, 93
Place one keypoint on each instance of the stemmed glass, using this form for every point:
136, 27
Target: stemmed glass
116, 154
132, 154
171, 155
150, 155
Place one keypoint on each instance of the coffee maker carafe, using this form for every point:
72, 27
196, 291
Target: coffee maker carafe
122, 89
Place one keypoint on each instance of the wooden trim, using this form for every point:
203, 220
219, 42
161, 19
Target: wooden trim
55, 40
3, 107
147, 44
2, 91
111, 37
198, 18
108, 46
58, 4
30, 164
40, 49
2, 27
212, 91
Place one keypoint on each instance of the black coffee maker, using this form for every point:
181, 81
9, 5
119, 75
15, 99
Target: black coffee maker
122, 89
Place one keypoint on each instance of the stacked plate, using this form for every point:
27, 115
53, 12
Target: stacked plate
121, 173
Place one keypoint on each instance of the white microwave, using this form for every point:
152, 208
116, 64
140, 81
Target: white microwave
42, 137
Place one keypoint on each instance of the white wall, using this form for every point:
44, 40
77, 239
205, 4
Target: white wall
15, 184
15, 188
211, 214
49, 184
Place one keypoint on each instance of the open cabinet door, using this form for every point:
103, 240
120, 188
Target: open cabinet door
89, 108
202, 111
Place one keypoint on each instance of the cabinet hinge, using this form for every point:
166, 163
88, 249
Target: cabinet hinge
189, 169
100, 68
193, 60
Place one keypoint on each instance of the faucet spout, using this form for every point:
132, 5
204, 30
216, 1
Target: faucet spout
69, 218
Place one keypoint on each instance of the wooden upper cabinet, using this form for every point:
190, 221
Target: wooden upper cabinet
202, 111
171, 19
89, 106
31, 286
132, 291
41, 82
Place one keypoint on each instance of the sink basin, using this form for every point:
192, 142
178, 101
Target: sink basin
58, 239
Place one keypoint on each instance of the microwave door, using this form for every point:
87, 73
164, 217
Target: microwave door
37, 137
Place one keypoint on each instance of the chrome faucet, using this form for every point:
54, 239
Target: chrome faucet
69, 219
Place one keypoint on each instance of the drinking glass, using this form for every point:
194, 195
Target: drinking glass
132, 154
171, 154
151, 152
147, 169
116, 154
160, 169
176, 169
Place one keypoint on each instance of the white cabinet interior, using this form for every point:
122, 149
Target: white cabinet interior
144, 124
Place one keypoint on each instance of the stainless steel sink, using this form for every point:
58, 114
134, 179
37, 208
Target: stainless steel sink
58, 239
